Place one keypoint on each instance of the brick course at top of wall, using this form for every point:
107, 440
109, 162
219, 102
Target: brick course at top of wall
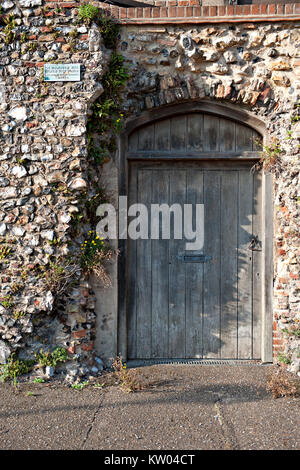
190, 11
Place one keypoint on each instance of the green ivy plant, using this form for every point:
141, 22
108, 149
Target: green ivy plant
107, 116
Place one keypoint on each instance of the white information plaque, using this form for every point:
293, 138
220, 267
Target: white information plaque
61, 72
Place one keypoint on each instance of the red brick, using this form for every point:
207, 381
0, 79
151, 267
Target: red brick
277, 341
246, 9
230, 10
189, 12
255, 9
221, 11
79, 334
69, 5
139, 12
46, 29
181, 12
297, 8
123, 12
294, 276
115, 11
272, 9
212, 11
156, 12
196, 11
131, 12
71, 349
88, 346
281, 252
289, 9
172, 12
263, 9
147, 12
205, 11
239, 10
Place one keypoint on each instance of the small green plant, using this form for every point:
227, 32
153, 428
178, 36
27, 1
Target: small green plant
284, 359
95, 253
5, 251
269, 156
38, 380
52, 359
292, 332
99, 385
15, 367
18, 314
281, 383
127, 379
23, 37
16, 287
32, 46
58, 274
88, 13
80, 385
8, 33
7, 301
29, 394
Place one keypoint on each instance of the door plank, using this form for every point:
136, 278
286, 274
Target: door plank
146, 138
160, 273
177, 279
227, 136
244, 138
211, 133
162, 135
194, 277
257, 266
195, 132
132, 307
229, 207
143, 275
178, 133
211, 281
245, 265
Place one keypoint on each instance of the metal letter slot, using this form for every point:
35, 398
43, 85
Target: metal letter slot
197, 258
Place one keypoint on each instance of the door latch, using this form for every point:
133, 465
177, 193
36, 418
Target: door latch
254, 244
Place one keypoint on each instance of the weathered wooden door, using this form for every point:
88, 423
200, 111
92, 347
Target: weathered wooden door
203, 304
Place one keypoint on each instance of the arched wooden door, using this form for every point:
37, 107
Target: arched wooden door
207, 304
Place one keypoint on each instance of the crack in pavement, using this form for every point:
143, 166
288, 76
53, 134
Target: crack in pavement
92, 423
227, 428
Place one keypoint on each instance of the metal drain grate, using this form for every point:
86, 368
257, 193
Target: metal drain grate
202, 362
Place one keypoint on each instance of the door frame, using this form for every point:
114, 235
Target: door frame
241, 116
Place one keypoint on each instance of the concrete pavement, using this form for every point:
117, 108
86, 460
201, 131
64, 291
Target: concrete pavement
187, 407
